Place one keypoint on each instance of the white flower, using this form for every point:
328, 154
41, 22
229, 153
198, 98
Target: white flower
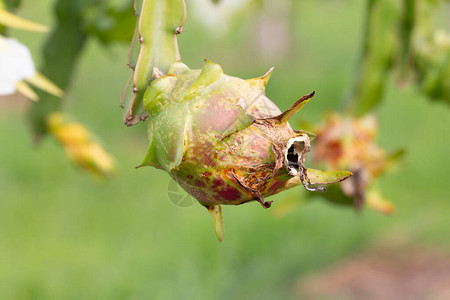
16, 64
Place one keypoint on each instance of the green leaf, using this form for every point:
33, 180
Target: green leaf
326, 177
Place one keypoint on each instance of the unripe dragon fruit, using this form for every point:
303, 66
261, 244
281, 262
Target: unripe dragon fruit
224, 141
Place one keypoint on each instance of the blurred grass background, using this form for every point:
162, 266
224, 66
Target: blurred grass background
63, 236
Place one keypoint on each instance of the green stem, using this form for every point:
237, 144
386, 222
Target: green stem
60, 57
380, 42
406, 30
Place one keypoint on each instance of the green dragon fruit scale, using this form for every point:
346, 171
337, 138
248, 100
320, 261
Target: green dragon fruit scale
224, 141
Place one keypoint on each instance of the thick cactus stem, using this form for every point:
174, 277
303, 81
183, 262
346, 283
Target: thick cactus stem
157, 22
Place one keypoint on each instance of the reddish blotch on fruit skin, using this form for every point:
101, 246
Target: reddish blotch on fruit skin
224, 141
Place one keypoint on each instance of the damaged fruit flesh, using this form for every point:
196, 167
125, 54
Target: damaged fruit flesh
223, 140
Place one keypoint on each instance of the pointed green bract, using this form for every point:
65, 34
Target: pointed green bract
168, 141
326, 177
216, 212
178, 68
210, 73
261, 82
241, 122
284, 117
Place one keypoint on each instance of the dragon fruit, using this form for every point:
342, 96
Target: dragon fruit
350, 143
224, 141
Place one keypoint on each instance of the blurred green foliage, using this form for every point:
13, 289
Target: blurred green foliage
402, 38
64, 237
76, 21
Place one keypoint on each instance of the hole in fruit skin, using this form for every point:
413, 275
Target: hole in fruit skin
292, 158
295, 156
